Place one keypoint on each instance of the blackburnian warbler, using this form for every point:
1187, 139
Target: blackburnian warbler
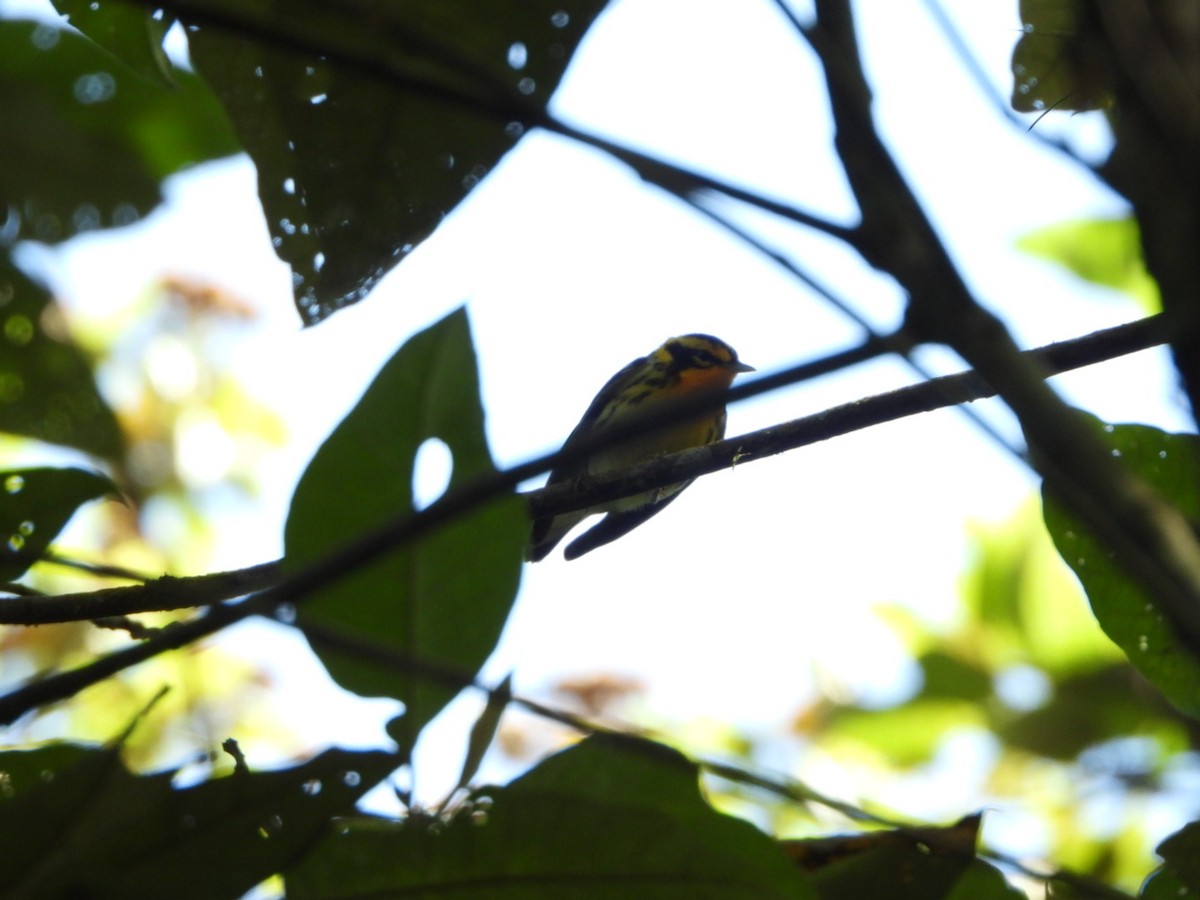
679, 368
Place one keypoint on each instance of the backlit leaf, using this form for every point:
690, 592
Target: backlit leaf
1169, 463
441, 601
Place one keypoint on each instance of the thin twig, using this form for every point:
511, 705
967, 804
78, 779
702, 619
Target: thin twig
106, 570
899, 342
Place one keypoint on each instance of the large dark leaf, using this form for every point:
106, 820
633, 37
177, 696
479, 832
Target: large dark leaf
363, 149
440, 601
35, 504
1170, 463
87, 827
46, 385
85, 140
609, 819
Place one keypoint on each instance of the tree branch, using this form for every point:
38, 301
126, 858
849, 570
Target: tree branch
169, 593
936, 393
1152, 540
159, 595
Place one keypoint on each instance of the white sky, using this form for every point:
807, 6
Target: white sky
729, 603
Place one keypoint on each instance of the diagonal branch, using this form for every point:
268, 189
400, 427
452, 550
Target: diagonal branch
1152, 540
169, 593
936, 393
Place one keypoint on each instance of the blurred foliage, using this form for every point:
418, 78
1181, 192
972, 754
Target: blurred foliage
162, 362
1179, 876
1071, 725
1081, 750
34, 506
46, 386
1107, 252
87, 141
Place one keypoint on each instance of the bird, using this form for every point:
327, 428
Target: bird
682, 367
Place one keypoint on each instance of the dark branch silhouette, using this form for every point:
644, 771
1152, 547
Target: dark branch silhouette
169, 593
1152, 540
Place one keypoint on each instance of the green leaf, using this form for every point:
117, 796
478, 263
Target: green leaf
1169, 463
609, 819
948, 677
362, 152
907, 735
1089, 709
87, 827
35, 504
1181, 852
921, 864
46, 386
1060, 61
441, 601
1107, 252
134, 34
85, 140
1024, 606
1165, 884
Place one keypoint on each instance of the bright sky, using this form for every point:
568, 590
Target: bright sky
756, 582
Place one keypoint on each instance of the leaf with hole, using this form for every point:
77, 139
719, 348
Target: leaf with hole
437, 604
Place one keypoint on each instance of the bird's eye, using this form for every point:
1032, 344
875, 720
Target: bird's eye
704, 358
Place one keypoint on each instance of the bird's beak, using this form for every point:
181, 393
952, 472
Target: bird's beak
742, 367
